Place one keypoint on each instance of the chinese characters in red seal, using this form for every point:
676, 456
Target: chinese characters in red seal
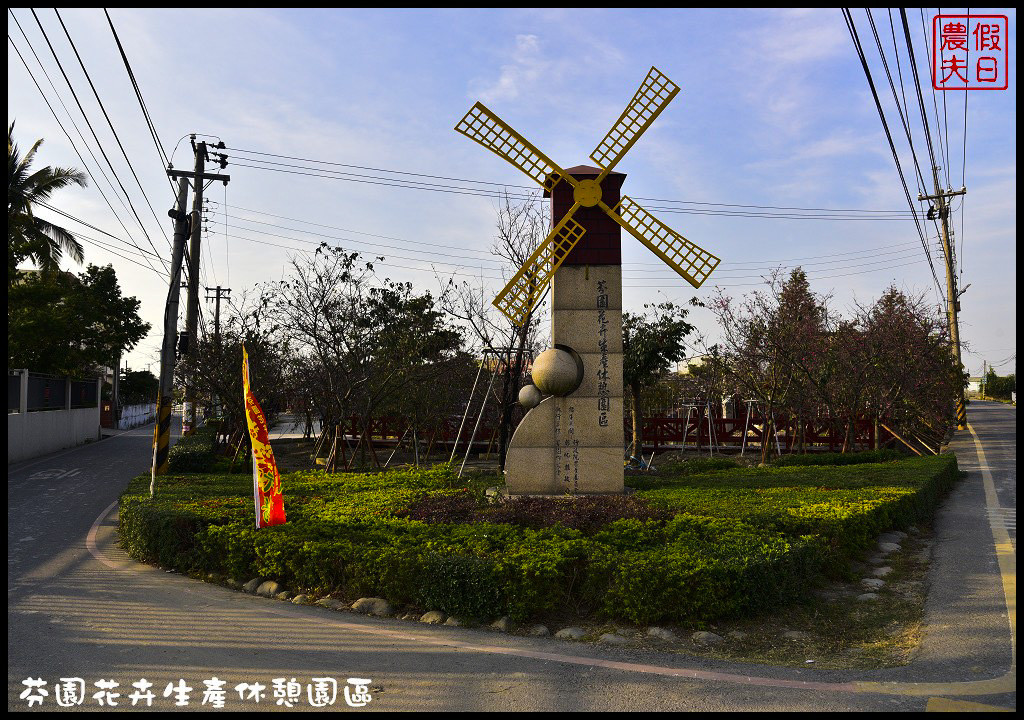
970, 52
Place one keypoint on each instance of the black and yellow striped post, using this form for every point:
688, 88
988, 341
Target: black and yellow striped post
961, 415
162, 436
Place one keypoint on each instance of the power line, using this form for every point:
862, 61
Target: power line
895, 213
93, 131
142, 103
943, 146
135, 248
113, 130
867, 252
886, 263
481, 192
114, 251
885, 126
810, 278
68, 135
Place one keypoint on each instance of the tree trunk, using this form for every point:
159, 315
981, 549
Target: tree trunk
638, 422
505, 417
510, 394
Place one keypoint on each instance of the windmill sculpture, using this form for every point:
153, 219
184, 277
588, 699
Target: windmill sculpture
572, 442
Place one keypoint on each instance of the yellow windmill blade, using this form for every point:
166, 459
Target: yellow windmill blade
524, 290
486, 128
691, 261
654, 94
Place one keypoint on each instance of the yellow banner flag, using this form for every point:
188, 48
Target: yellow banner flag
266, 480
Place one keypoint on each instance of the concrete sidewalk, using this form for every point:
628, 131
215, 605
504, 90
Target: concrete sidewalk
970, 613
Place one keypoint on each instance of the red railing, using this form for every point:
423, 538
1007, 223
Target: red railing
659, 433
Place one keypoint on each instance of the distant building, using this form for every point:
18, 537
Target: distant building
974, 386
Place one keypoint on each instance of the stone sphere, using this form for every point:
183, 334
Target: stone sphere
557, 372
529, 396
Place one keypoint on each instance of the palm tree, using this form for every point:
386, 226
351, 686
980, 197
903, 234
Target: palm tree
27, 235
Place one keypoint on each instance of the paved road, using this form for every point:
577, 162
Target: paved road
78, 607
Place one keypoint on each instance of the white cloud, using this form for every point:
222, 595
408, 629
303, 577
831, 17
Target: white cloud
527, 67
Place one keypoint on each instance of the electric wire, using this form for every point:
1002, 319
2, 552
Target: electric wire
895, 213
495, 264
867, 252
69, 216
114, 250
943, 145
93, 131
72, 142
626, 276
142, 103
927, 130
480, 192
885, 126
95, 92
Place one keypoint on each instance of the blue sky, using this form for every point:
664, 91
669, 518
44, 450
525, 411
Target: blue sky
774, 111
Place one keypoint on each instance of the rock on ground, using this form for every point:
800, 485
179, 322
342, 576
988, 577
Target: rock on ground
868, 597
433, 617
268, 589
703, 637
795, 635
300, 599
539, 631
872, 583
502, 624
571, 633
250, 587
661, 633
893, 536
372, 606
613, 639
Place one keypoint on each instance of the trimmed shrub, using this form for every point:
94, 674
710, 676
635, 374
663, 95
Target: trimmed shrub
857, 458
195, 452
693, 547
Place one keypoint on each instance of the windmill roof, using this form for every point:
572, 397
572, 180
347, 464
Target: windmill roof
587, 170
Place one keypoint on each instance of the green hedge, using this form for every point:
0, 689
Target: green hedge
857, 458
736, 541
195, 452
845, 506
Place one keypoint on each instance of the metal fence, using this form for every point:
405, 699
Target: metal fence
13, 391
84, 394
46, 392
49, 392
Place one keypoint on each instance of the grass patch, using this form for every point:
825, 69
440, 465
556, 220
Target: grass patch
697, 546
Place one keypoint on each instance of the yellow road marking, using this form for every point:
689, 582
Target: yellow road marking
938, 704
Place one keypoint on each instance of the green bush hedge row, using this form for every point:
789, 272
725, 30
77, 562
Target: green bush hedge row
755, 542
857, 458
195, 452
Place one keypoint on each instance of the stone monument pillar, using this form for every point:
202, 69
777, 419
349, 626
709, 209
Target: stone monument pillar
573, 445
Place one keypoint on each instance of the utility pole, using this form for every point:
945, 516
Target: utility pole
952, 296
219, 292
162, 432
192, 307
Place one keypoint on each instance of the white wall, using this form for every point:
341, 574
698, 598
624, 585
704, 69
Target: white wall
135, 415
30, 434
